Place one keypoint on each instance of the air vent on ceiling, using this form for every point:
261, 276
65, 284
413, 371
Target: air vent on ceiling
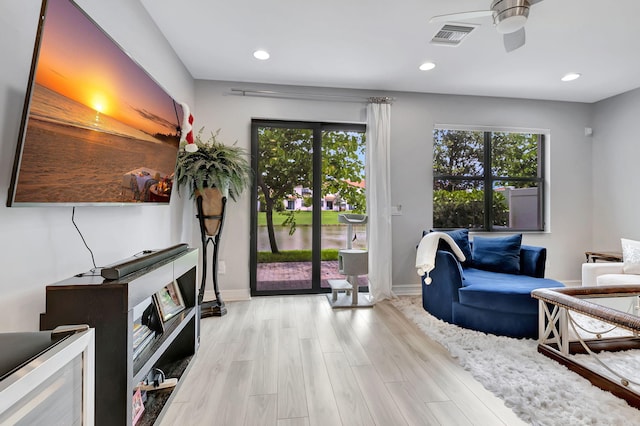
452, 35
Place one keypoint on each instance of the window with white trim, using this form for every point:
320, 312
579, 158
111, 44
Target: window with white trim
488, 180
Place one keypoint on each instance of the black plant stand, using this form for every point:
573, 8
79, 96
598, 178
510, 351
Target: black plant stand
213, 307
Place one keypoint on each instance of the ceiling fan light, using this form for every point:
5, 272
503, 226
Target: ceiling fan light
427, 66
511, 24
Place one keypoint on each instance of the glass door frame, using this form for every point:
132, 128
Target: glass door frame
316, 241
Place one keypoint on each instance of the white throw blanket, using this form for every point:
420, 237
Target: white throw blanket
426, 255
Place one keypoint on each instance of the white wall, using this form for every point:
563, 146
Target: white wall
413, 117
40, 245
216, 109
616, 150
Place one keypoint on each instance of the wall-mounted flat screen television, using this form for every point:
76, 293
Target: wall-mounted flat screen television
96, 128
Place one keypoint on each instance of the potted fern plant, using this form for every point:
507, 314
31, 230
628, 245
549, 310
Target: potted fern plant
212, 172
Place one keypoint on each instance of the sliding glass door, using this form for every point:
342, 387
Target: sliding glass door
306, 174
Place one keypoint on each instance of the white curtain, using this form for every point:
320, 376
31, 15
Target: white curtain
378, 184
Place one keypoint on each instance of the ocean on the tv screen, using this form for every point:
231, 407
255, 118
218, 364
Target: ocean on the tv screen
48, 105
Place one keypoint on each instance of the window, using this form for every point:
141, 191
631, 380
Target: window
488, 180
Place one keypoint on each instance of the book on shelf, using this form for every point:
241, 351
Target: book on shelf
142, 336
142, 344
140, 331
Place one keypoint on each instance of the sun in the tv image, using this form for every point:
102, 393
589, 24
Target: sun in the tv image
99, 128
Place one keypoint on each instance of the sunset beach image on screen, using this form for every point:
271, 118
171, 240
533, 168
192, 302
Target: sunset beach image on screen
99, 129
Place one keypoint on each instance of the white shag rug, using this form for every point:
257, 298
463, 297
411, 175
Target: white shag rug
539, 390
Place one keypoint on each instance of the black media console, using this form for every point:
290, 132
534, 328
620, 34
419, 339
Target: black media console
111, 306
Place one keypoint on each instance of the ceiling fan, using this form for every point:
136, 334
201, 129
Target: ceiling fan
509, 17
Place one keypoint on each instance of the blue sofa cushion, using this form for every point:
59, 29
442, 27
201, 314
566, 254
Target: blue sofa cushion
461, 237
497, 254
502, 292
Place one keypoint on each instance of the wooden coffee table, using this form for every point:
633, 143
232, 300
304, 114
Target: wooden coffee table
555, 340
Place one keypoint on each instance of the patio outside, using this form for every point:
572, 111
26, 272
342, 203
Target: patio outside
292, 274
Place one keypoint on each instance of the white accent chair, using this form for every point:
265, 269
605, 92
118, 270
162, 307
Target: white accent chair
610, 273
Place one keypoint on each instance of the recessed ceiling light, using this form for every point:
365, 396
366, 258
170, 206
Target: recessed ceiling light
571, 76
263, 55
427, 66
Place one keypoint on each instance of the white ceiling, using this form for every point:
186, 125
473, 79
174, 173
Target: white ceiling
379, 44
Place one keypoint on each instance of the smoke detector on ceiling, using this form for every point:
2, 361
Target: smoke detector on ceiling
452, 34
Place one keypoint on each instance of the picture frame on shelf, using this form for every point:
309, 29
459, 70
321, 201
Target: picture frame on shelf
137, 406
169, 301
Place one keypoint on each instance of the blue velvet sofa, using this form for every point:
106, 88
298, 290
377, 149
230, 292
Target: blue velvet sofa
487, 299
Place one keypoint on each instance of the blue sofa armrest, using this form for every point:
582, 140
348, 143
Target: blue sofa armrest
532, 261
446, 279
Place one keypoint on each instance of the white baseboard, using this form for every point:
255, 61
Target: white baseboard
407, 289
229, 295
571, 283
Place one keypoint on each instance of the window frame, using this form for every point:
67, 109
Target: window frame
488, 178
318, 127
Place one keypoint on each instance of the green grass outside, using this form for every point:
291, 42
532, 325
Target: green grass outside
303, 218
295, 256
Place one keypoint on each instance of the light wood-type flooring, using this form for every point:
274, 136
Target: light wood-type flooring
293, 360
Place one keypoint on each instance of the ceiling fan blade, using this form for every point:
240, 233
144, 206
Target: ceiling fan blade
532, 2
514, 40
461, 16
